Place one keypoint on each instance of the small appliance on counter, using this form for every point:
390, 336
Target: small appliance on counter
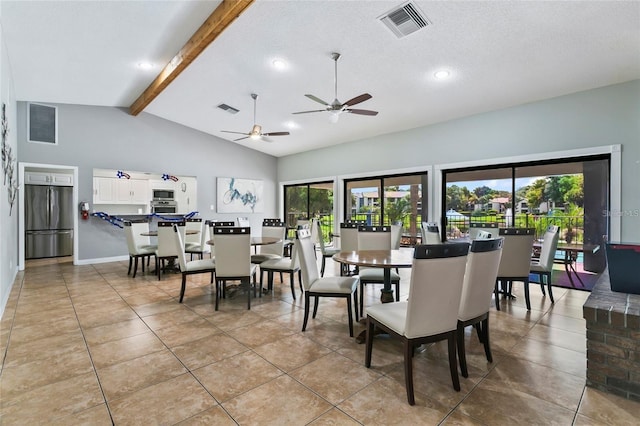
49, 214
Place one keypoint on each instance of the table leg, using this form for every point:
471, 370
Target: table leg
386, 294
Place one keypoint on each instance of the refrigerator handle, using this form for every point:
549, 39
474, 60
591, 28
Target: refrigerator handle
49, 206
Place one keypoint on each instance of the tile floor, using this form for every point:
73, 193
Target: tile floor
89, 345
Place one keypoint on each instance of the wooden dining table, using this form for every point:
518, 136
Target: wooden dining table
386, 259
155, 233
257, 241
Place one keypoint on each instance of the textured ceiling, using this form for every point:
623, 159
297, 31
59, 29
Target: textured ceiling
500, 54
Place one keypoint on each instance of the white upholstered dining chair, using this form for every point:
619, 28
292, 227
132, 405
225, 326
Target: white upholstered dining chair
316, 286
431, 312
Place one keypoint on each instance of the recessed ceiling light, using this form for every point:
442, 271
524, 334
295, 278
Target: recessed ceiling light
145, 65
279, 64
291, 125
442, 74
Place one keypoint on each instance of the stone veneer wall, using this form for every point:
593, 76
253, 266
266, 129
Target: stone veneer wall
613, 340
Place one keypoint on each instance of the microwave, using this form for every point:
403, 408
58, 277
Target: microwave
163, 194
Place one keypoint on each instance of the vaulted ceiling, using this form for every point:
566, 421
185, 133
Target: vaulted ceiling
498, 54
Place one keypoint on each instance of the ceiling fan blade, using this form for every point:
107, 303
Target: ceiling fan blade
276, 134
315, 98
361, 111
358, 99
237, 133
306, 112
239, 139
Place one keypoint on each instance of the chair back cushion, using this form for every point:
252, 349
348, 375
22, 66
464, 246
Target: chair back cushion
274, 230
179, 247
516, 252
549, 246
243, 222
480, 278
233, 251
306, 255
138, 227
478, 228
166, 238
193, 224
430, 233
436, 286
396, 236
128, 233
349, 236
374, 238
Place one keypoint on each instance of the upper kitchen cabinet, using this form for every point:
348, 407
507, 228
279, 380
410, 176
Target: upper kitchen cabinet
45, 178
132, 191
125, 192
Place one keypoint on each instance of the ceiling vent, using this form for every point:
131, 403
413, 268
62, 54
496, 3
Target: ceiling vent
404, 20
229, 109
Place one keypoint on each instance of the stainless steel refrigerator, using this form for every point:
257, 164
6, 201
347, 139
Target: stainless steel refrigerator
48, 221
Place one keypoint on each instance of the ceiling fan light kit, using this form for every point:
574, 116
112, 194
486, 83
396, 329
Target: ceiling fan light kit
336, 108
256, 131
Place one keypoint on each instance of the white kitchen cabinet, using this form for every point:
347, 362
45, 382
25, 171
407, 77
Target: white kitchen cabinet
161, 184
44, 178
120, 191
104, 190
186, 191
132, 191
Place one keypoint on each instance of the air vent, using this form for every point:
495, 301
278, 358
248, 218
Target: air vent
404, 20
229, 109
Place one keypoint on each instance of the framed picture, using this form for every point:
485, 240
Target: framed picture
239, 195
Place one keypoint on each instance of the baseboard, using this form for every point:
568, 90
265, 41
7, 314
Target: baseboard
101, 260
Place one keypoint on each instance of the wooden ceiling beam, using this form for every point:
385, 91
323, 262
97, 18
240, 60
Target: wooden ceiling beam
217, 22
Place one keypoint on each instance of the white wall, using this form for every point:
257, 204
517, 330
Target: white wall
109, 138
593, 118
8, 221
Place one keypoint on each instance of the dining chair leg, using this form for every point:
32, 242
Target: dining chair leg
293, 289
350, 314
355, 303
453, 365
548, 277
526, 294
307, 301
322, 266
183, 287
130, 263
398, 291
408, 370
495, 296
315, 305
368, 343
261, 280
462, 357
361, 296
247, 281
135, 266
217, 292
485, 336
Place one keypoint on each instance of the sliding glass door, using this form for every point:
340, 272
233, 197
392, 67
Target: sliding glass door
570, 193
386, 200
309, 200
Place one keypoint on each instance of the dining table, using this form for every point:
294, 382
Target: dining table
386, 259
155, 233
571, 252
257, 241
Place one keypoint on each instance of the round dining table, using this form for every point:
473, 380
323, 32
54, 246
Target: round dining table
257, 241
387, 259
155, 233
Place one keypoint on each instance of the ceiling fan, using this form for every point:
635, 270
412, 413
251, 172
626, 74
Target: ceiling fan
256, 130
336, 108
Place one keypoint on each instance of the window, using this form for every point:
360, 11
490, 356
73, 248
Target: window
309, 200
570, 193
387, 200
